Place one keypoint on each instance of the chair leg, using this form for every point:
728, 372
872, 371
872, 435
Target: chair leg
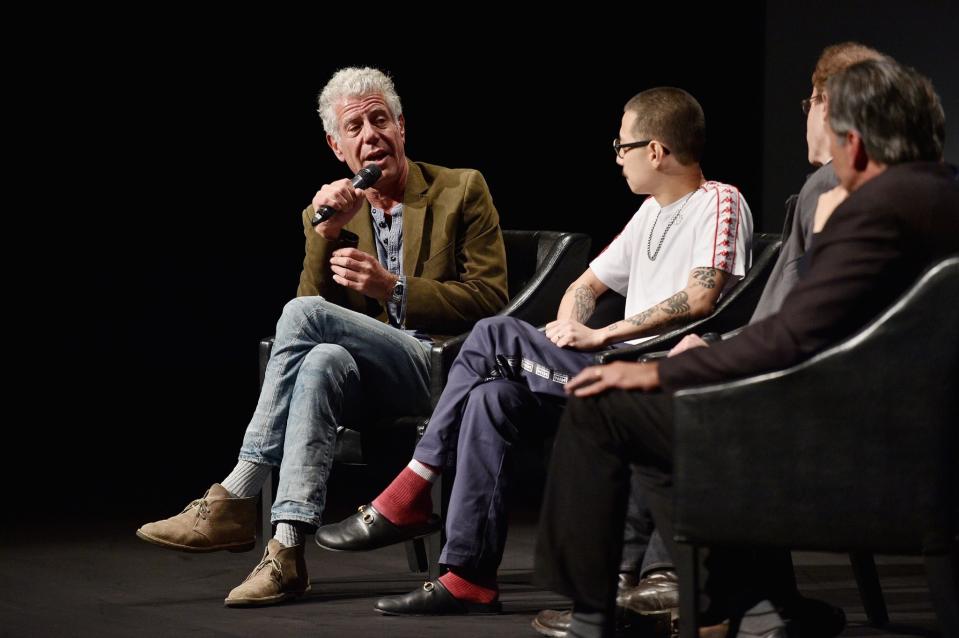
687, 569
265, 533
870, 590
942, 574
416, 555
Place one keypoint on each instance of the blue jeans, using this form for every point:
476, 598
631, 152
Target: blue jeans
330, 366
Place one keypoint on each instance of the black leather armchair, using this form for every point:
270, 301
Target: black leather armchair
733, 311
540, 266
854, 450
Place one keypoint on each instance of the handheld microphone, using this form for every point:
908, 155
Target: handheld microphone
365, 178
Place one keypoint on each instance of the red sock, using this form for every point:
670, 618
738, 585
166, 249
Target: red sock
470, 586
407, 499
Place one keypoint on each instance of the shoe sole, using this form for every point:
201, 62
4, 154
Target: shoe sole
547, 631
263, 602
467, 613
245, 547
411, 538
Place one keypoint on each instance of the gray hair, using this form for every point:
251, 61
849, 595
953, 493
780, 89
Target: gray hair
894, 109
353, 82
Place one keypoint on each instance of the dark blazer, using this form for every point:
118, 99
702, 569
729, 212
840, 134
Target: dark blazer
871, 250
453, 254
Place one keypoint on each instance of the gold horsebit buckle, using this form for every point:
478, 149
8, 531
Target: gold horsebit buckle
368, 518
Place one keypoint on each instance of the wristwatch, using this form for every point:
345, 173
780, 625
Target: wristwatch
398, 288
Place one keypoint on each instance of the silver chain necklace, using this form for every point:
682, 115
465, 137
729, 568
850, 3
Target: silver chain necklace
649, 240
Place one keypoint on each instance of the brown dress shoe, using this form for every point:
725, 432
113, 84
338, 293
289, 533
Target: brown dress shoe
550, 622
281, 575
655, 594
555, 624
216, 521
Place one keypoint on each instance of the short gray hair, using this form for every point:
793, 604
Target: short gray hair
894, 109
353, 82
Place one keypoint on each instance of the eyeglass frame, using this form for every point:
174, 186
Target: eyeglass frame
809, 101
620, 149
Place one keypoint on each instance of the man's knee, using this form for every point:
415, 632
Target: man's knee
299, 307
329, 362
498, 393
498, 320
501, 406
300, 311
492, 330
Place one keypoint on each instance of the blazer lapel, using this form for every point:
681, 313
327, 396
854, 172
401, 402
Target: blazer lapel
364, 230
414, 216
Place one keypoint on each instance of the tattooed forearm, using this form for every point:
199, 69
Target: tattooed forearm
640, 319
705, 277
585, 303
676, 305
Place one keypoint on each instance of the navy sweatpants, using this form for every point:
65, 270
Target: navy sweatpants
507, 376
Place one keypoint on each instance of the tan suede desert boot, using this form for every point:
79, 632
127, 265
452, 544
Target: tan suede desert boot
281, 575
216, 521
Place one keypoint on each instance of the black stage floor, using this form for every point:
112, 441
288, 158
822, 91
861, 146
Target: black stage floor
98, 579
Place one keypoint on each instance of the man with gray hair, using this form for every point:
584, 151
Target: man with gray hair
886, 132
416, 255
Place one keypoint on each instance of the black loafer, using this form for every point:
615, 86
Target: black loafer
432, 599
368, 529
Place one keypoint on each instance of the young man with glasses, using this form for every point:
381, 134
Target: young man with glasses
659, 590
689, 241
886, 131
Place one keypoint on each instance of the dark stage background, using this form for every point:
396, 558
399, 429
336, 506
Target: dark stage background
191, 146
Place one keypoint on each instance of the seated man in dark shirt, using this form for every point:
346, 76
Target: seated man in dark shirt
887, 130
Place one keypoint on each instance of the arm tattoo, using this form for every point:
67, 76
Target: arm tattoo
677, 305
585, 303
705, 277
640, 319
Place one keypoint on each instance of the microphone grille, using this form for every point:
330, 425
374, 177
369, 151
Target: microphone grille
367, 176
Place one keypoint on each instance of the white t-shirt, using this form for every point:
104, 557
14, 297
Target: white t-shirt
711, 228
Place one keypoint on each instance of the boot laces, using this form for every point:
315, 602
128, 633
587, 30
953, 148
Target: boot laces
276, 573
203, 508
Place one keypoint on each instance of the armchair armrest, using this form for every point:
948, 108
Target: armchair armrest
264, 349
733, 310
559, 259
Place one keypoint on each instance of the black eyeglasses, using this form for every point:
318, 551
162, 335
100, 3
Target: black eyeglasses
620, 149
809, 101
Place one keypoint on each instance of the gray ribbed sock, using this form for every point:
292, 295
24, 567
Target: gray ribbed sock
288, 534
246, 479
